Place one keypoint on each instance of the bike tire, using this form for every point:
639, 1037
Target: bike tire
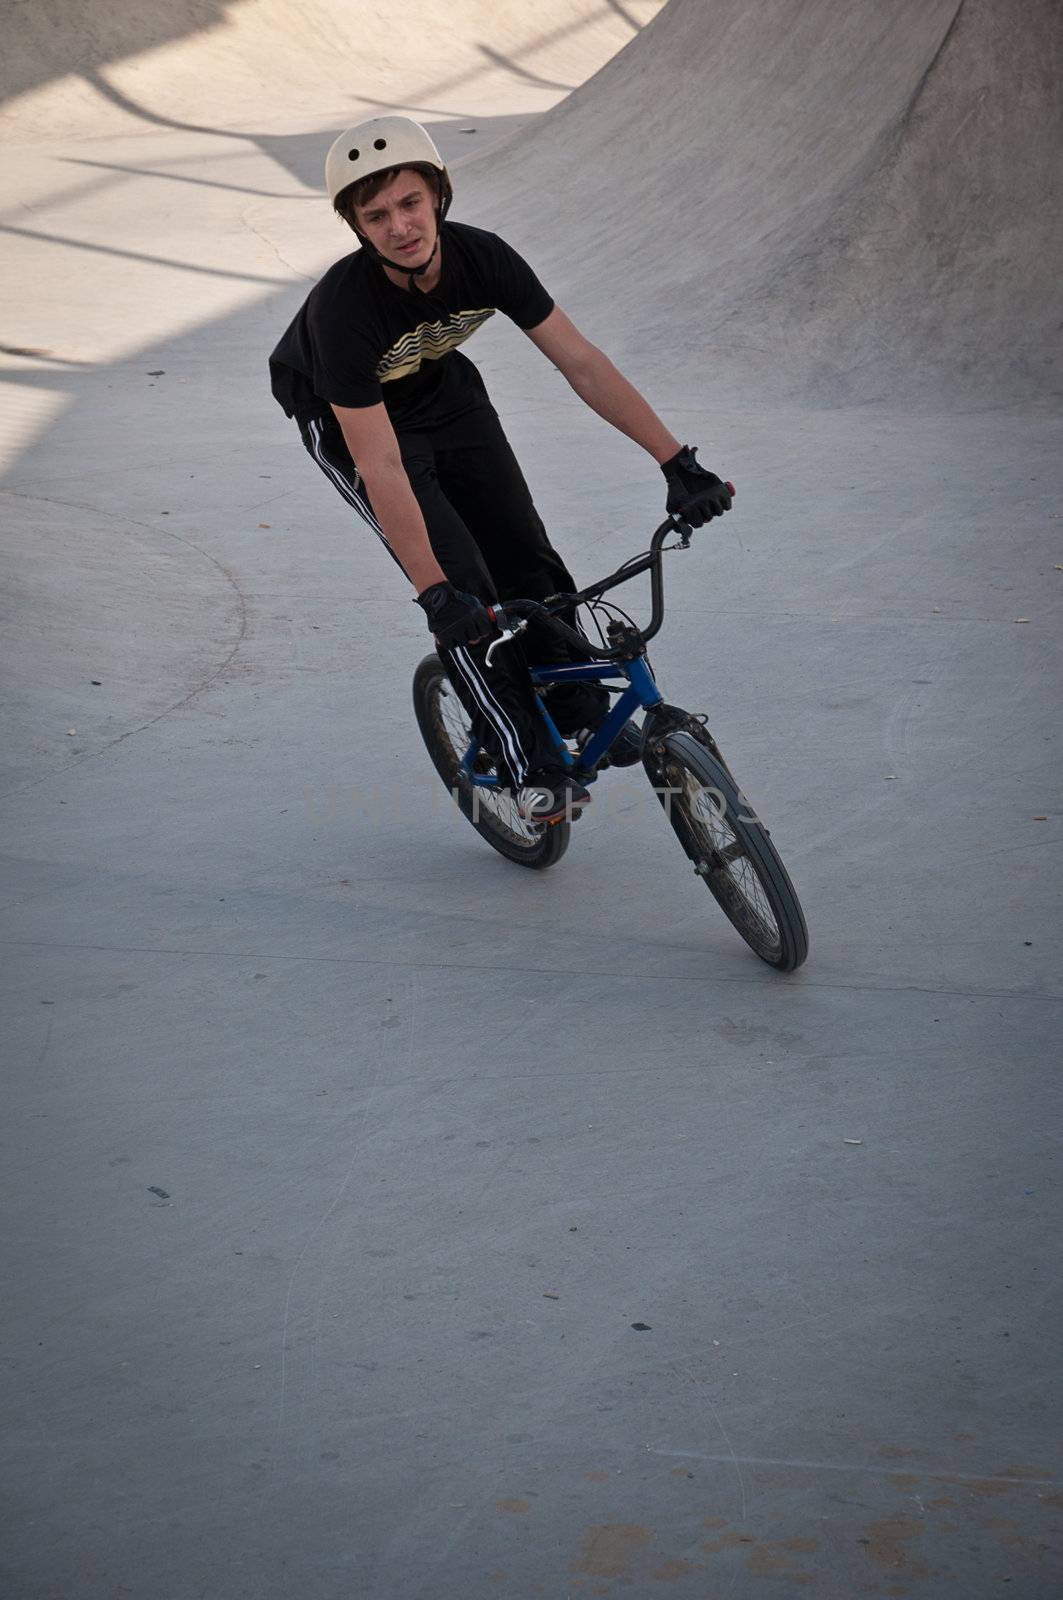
446, 731
731, 849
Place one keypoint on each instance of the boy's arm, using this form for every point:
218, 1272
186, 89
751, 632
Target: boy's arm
374, 448
598, 383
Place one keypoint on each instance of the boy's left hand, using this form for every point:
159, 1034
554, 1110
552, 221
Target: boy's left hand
694, 493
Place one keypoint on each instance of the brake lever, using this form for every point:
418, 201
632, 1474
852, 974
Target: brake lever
684, 530
504, 637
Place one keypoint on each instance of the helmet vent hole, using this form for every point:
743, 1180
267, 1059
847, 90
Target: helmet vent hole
380, 144
352, 155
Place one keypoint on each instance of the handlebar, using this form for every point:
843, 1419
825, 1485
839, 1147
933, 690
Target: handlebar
527, 610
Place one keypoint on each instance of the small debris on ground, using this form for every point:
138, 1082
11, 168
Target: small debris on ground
852, 1141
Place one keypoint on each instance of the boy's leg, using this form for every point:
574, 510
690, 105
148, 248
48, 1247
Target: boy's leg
499, 700
483, 481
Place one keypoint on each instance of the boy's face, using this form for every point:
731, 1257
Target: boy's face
400, 221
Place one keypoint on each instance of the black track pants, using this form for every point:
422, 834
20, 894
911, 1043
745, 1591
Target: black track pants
490, 541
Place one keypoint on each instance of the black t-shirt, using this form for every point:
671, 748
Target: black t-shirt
358, 339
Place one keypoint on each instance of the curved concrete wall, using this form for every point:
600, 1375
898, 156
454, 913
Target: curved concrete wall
850, 202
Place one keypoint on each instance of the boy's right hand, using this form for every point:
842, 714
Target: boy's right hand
455, 617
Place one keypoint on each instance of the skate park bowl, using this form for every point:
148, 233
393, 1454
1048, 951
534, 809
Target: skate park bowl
383, 1221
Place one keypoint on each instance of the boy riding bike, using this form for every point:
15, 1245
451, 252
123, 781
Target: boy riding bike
400, 422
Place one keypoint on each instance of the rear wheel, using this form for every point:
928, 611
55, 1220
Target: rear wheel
730, 848
445, 728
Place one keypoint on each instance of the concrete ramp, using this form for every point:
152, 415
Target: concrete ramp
289, 64
850, 202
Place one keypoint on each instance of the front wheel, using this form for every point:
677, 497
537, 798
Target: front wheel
446, 730
730, 848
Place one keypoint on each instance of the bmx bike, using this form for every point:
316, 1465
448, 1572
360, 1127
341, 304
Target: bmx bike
730, 848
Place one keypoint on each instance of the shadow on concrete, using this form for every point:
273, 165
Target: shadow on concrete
182, 177
497, 59
40, 48
301, 155
44, 52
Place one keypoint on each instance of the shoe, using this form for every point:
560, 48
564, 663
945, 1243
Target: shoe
550, 794
625, 750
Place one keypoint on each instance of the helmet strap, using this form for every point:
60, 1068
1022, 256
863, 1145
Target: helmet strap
411, 272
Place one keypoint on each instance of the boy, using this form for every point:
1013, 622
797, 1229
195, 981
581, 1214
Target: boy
400, 422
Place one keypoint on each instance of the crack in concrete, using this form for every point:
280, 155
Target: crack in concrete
753, 981
304, 277
197, 689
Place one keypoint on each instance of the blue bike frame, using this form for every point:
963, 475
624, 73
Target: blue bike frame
641, 691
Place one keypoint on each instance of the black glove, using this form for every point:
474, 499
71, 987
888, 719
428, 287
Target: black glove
455, 617
694, 494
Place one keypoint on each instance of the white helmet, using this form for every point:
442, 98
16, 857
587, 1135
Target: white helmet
379, 144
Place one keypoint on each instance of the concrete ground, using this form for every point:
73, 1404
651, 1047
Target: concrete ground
382, 1220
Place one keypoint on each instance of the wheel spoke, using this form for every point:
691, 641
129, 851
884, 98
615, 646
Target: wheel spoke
731, 873
499, 803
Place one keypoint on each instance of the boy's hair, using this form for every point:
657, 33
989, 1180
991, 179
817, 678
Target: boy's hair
365, 189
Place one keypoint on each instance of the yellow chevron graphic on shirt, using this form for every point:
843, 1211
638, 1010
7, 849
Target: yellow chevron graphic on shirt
428, 341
